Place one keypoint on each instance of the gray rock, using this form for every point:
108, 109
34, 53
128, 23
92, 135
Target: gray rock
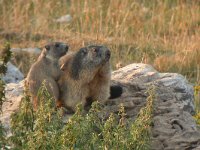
64, 19
14, 93
145, 75
173, 124
13, 75
29, 50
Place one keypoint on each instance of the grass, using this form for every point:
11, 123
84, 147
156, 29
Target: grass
164, 33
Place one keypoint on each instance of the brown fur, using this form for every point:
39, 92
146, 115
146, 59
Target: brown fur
85, 77
46, 69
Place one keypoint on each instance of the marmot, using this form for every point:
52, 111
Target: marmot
86, 76
46, 69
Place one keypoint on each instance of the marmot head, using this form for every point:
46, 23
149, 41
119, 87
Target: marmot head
55, 50
89, 58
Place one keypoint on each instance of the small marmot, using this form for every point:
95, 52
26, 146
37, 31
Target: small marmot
46, 69
86, 75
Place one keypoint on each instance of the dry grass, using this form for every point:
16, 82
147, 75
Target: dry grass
164, 33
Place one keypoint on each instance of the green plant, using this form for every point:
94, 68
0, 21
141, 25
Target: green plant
2, 99
36, 129
4, 58
44, 128
197, 103
140, 129
2, 136
22, 122
47, 123
197, 118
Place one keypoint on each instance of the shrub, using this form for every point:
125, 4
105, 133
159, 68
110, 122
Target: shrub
2, 136
4, 58
197, 103
44, 128
36, 129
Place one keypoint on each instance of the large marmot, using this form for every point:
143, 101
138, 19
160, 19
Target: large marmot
46, 69
86, 76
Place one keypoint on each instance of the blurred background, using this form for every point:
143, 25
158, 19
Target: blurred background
163, 33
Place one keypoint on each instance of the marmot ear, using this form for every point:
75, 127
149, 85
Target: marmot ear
47, 47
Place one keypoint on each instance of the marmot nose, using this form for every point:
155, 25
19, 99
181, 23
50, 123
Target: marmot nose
108, 54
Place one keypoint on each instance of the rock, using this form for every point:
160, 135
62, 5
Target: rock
29, 50
173, 124
64, 19
13, 75
14, 93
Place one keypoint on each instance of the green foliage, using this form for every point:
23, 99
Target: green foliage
2, 136
36, 129
22, 122
140, 128
197, 97
4, 58
44, 128
197, 103
2, 93
197, 118
47, 124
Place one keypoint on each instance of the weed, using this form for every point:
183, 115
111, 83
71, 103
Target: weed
44, 129
4, 58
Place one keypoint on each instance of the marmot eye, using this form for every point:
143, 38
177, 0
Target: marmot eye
57, 45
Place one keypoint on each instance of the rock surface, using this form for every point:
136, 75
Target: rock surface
30, 50
14, 93
173, 125
64, 19
13, 75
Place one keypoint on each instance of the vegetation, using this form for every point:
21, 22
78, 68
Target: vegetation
4, 58
44, 129
164, 33
197, 103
